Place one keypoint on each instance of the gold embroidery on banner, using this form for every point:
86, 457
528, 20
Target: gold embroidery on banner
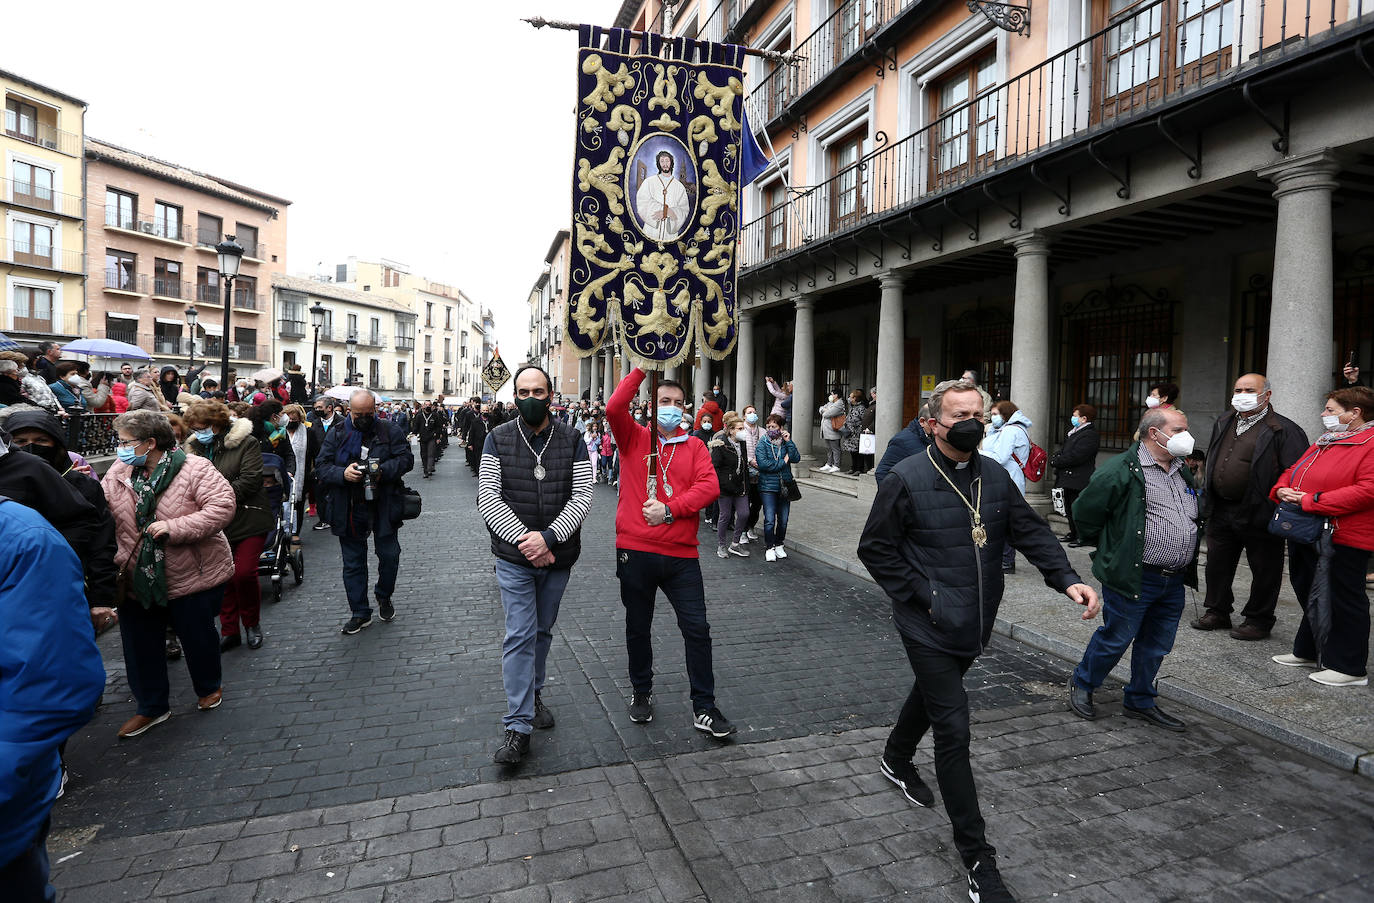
720, 99
604, 178
720, 192
665, 89
609, 85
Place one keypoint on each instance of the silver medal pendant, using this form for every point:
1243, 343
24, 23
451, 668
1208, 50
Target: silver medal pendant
667, 490
539, 471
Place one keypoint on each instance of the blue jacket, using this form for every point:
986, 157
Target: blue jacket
1009, 445
349, 513
66, 397
50, 672
910, 441
775, 463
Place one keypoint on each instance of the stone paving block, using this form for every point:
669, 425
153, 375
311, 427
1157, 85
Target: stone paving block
187, 878
385, 871
265, 866
438, 889
448, 858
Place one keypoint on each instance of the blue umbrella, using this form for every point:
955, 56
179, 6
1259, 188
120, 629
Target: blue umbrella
7, 343
107, 348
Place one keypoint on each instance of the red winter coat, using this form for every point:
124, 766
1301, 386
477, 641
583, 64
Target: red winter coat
119, 397
1343, 473
197, 506
690, 473
712, 410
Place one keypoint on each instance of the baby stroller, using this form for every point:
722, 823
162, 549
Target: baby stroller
277, 552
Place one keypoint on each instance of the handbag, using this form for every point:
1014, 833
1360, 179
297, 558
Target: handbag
791, 490
837, 422
124, 580
1057, 500
412, 505
1291, 522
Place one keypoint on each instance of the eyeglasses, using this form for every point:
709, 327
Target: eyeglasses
129, 443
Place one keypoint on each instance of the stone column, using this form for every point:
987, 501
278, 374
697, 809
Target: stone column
891, 360
1030, 340
609, 385
701, 378
1301, 316
744, 362
803, 376
594, 373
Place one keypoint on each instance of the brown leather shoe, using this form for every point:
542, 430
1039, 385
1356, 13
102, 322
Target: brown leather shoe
1250, 631
140, 723
206, 703
1211, 621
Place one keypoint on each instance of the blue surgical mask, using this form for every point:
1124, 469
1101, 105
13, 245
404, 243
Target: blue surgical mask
669, 416
751, 418
128, 457
1075, 420
997, 420
205, 436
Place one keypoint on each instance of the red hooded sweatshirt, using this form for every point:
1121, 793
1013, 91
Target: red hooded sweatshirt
684, 465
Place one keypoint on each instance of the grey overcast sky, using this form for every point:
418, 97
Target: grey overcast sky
437, 133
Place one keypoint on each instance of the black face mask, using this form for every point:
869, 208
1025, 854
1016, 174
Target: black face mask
50, 453
533, 410
965, 435
364, 422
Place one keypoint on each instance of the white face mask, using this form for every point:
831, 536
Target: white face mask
742, 435
1180, 445
1332, 424
706, 424
1152, 402
1245, 402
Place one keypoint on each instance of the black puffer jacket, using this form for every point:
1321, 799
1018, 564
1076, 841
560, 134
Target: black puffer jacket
919, 548
732, 468
1076, 460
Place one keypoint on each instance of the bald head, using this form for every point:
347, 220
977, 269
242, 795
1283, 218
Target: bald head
1251, 393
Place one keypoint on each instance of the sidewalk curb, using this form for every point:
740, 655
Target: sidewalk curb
1333, 752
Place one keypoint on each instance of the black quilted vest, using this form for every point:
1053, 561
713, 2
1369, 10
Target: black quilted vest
536, 502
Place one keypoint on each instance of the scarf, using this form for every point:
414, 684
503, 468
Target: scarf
351, 446
150, 574
1329, 437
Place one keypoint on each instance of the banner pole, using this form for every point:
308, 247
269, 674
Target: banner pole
651, 488
788, 58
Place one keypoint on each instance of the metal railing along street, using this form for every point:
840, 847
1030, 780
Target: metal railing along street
1140, 63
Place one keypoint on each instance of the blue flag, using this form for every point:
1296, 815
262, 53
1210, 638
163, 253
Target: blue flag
753, 162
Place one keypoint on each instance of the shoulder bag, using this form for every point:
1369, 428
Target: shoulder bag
1291, 522
124, 580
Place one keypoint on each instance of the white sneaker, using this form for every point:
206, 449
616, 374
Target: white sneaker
721, 553
770, 555
1337, 679
780, 552
1293, 661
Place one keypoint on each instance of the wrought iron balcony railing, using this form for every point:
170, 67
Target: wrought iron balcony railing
171, 288
152, 226
405, 343
1141, 63
120, 281
68, 143
33, 254
294, 329
39, 197
39, 322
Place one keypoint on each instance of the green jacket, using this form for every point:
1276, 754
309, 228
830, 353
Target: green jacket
1110, 513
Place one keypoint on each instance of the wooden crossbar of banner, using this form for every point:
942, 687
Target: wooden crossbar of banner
788, 58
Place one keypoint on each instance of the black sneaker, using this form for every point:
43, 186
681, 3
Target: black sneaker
513, 748
905, 776
385, 610
354, 625
714, 723
543, 718
642, 708
985, 883
320, 525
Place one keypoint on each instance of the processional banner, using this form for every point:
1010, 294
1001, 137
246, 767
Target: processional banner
655, 197
495, 374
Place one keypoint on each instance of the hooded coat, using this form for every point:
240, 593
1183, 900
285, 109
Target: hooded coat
238, 458
1009, 445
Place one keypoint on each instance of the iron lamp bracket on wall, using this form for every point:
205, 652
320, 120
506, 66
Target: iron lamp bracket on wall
1005, 16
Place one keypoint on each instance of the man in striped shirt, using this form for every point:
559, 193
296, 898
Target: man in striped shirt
534, 490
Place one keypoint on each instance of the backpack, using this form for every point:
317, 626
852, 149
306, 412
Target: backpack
1034, 465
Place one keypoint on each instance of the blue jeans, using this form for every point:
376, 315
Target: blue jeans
1149, 623
530, 597
354, 551
25, 878
641, 575
775, 509
143, 634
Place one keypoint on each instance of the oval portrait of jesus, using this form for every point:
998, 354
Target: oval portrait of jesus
661, 184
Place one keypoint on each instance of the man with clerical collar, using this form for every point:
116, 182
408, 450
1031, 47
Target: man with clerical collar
934, 542
656, 543
534, 489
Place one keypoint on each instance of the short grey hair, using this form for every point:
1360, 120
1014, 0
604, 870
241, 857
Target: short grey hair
143, 425
144, 371
1154, 419
937, 398
8, 367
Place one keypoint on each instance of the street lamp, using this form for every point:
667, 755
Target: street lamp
317, 320
191, 316
352, 343
230, 254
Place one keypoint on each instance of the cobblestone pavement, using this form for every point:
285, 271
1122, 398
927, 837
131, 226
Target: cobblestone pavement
359, 768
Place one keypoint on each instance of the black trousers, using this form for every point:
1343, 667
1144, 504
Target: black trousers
1071, 496
642, 575
1229, 533
755, 506
428, 447
1347, 647
938, 703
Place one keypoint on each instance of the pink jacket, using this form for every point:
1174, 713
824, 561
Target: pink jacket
197, 507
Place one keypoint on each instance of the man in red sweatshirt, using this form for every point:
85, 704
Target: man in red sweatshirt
656, 543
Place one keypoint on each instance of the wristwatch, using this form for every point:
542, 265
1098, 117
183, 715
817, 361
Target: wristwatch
667, 515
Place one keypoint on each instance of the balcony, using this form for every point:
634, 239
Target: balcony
68, 143
174, 289
126, 333
31, 322
405, 343
372, 340
239, 352
291, 329
31, 254
1138, 67
171, 345
39, 197
208, 238
209, 294
245, 299
120, 281
148, 226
